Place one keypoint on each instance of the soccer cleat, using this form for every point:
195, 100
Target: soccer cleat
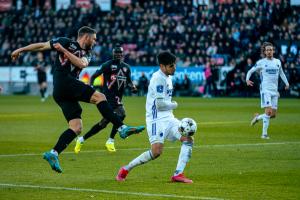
181, 178
110, 146
53, 161
78, 146
129, 130
122, 174
266, 137
254, 120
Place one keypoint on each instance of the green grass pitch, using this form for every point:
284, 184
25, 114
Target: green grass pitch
229, 159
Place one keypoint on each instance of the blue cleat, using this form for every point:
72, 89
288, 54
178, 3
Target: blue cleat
53, 161
129, 130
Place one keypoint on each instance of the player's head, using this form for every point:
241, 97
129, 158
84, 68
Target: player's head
118, 53
267, 49
167, 62
88, 36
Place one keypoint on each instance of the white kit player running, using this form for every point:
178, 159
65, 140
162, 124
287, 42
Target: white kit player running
161, 123
270, 69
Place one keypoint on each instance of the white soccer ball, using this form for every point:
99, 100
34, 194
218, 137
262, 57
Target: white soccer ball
187, 127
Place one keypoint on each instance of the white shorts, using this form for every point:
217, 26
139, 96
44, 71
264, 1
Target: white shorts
269, 100
163, 129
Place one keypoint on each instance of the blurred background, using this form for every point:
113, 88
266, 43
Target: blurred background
216, 41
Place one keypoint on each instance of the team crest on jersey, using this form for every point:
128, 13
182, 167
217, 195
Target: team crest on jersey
159, 88
114, 67
266, 65
125, 69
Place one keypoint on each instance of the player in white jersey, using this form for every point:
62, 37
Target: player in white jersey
161, 123
270, 69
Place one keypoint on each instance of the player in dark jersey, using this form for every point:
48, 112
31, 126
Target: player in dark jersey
40, 66
72, 57
117, 76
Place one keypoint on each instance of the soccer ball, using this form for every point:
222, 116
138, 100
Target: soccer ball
187, 127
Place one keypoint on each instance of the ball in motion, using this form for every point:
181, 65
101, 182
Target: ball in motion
187, 127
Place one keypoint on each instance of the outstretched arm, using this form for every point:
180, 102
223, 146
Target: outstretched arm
78, 62
42, 46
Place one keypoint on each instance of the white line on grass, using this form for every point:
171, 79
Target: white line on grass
108, 191
140, 149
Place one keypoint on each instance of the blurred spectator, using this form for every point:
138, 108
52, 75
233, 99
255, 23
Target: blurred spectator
143, 85
222, 30
186, 86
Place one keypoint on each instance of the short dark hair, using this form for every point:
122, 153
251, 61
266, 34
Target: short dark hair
166, 58
86, 30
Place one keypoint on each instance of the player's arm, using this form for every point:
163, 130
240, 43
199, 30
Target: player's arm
161, 103
78, 62
283, 78
130, 83
250, 72
41, 46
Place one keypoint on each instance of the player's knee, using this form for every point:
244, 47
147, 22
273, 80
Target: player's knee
102, 124
156, 153
97, 97
77, 129
187, 140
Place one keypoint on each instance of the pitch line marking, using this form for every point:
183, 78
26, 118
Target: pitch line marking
107, 191
140, 149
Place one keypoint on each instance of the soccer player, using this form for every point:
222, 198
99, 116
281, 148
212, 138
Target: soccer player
270, 69
117, 76
41, 68
161, 123
72, 57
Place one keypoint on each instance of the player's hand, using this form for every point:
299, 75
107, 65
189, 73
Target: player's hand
287, 87
15, 54
134, 90
250, 83
59, 47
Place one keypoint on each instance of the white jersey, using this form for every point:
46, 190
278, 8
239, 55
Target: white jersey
269, 70
160, 86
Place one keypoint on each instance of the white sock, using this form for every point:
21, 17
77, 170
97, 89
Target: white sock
110, 140
54, 152
266, 121
260, 117
184, 157
81, 139
141, 159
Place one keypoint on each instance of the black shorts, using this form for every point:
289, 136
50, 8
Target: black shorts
42, 77
67, 92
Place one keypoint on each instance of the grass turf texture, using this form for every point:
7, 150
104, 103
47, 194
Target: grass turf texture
229, 159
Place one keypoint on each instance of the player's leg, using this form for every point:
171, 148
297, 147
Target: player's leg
110, 143
72, 112
94, 130
265, 102
156, 137
185, 151
100, 100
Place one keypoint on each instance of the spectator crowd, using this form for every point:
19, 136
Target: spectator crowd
220, 33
